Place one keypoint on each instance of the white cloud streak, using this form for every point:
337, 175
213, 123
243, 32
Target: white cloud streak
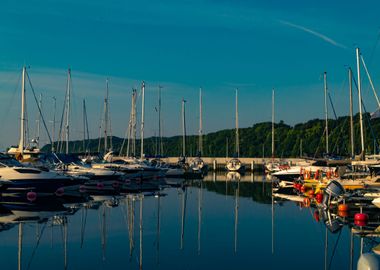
314, 33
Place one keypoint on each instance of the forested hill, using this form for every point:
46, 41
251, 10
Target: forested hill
255, 141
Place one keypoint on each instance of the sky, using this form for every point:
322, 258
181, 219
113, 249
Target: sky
254, 46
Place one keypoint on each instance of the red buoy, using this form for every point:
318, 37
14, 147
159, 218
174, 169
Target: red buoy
316, 216
361, 217
115, 184
303, 189
31, 196
319, 197
82, 189
360, 223
311, 193
100, 185
60, 191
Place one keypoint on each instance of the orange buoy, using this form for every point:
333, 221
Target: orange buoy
311, 193
343, 207
343, 213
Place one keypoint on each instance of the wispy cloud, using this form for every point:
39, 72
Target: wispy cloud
314, 33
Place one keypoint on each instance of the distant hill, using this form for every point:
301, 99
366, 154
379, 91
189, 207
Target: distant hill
255, 141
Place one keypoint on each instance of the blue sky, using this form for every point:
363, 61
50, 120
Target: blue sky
182, 45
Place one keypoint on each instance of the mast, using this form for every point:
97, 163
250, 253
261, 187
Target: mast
68, 110
236, 124
272, 124
360, 103
84, 125
326, 112
141, 231
160, 148
200, 143
19, 245
351, 113
53, 127
142, 119
183, 129
106, 119
23, 119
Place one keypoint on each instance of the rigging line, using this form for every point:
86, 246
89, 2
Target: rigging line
36, 246
335, 247
39, 108
320, 141
8, 108
366, 116
336, 118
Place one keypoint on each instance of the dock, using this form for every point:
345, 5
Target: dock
219, 163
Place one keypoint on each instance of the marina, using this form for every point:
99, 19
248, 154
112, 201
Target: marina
189, 135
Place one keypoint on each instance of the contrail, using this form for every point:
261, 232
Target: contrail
319, 35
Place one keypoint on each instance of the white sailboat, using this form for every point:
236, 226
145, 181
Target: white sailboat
197, 164
23, 151
234, 164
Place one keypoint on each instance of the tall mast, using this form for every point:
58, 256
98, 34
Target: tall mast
200, 150
273, 124
84, 125
68, 110
326, 112
360, 103
236, 124
19, 245
22, 127
183, 129
142, 119
160, 148
106, 119
53, 127
351, 113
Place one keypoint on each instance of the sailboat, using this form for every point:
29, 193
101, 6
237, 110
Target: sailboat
234, 164
24, 151
197, 164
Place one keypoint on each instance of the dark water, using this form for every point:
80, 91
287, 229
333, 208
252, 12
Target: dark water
221, 224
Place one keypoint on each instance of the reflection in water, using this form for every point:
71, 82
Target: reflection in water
153, 220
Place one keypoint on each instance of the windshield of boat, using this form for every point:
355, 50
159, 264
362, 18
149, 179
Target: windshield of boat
7, 161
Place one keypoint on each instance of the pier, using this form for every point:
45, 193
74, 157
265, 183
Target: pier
219, 163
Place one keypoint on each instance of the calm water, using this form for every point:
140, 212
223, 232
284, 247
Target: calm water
210, 224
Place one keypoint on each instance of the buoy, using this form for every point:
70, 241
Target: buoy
306, 202
360, 223
82, 188
100, 185
319, 197
311, 193
115, 184
31, 196
60, 191
316, 216
316, 175
303, 189
343, 213
343, 207
361, 217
